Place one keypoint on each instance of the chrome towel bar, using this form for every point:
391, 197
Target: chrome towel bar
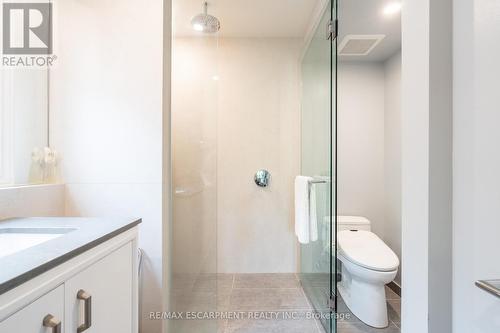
314, 181
319, 180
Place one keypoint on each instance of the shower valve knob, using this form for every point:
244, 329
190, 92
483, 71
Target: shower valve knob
262, 178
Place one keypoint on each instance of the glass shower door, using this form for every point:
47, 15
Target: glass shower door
318, 257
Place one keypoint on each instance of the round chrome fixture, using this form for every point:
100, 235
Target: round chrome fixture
262, 178
204, 22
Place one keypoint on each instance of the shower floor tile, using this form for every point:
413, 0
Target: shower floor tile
242, 281
267, 299
280, 294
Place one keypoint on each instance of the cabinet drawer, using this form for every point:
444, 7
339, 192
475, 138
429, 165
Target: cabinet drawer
30, 318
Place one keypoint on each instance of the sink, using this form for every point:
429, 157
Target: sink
13, 240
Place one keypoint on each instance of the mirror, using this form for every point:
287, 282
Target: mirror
24, 98
24, 126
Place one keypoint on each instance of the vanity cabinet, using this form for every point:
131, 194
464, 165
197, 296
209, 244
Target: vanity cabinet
30, 318
95, 292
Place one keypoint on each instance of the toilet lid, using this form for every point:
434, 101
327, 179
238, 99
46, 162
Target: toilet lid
364, 248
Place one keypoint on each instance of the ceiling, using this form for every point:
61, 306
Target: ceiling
248, 18
366, 17
293, 18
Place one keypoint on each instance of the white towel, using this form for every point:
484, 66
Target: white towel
306, 226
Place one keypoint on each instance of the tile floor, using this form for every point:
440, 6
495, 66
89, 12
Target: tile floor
275, 293
280, 294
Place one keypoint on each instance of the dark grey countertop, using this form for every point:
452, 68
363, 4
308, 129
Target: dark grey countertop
85, 234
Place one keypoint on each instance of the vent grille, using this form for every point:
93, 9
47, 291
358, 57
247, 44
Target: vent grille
359, 45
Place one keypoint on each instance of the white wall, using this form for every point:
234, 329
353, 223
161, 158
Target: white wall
257, 114
392, 156
259, 128
360, 142
426, 166
476, 178
106, 116
415, 166
369, 146
440, 166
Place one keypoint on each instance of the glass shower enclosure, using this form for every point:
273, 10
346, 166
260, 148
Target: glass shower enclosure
318, 150
202, 76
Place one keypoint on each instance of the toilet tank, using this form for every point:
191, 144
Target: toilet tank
353, 223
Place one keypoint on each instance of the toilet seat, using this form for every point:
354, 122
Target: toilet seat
366, 249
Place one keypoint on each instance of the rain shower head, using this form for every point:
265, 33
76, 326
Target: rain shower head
205, 22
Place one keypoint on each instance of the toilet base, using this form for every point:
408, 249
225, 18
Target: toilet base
365, 297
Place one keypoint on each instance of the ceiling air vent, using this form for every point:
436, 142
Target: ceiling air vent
359, 45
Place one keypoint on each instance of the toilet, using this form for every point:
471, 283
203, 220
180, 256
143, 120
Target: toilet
368, 264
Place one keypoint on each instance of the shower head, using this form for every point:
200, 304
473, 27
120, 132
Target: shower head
204, 22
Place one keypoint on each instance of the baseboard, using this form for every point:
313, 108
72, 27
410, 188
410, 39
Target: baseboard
395, 287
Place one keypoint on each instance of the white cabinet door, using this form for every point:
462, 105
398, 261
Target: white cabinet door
30, 319
109, 283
